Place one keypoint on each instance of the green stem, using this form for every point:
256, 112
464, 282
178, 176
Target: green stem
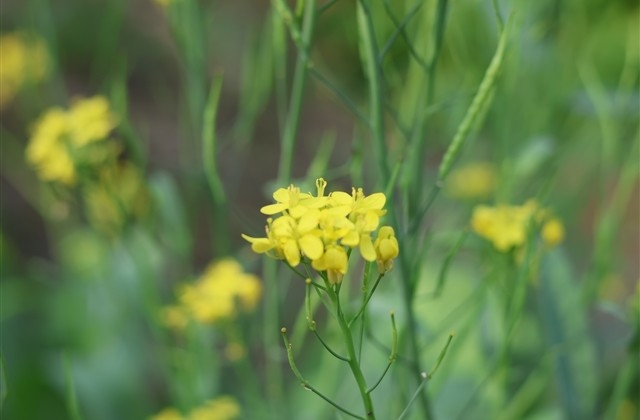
354, 364
295, 105
306, 383
374, 74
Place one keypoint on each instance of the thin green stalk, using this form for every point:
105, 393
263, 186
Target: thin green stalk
295, 105
306, 383
273, 373
210, 165
480, 102
366, 300
69, 384
426, 377
374, 75
353, 359
401, 32
392, 356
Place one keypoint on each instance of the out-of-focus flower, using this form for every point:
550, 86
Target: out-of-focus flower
220, 293
507, 226
62, 141
475, 181
221, 408
24, 61
552, 232
321, 229
167, 414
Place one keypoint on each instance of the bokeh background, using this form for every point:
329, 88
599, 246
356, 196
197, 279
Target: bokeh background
563, 125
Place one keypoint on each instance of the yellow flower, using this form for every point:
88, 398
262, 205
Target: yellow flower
219, 290
474, 181
292, 201
386, 248
59, 140
334, 261
24, 61
90, 120
167, 414
321, 228
220, 408
552, 232
505, 226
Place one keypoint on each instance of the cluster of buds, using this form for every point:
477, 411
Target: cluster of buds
322, 230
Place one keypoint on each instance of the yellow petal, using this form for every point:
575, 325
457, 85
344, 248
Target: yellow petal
366, 248
374, 202
308, 221
291, 252
388, 249
273, 209
351, 239
311, 246
281, 195
341, 198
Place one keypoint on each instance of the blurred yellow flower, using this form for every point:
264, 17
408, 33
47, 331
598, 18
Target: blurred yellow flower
222, 290
320, 229
507, 226
24, 61
220, 408
167, 414
59, 139
174, 317
473, 181
552, 232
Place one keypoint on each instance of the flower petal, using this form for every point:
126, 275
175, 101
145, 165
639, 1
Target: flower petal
273, 209
311, 246
366, 248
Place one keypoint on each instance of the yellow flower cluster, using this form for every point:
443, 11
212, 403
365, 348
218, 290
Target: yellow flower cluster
475, 181
24, 61
321, 229
507, 226
63, 140
221, 408
215, 295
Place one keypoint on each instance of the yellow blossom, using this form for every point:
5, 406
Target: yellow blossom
217, 293
320, 229
334, 261
552, 232
386, 248
474, 181
174, 317
220, 408
167, 414
505, 226
90, 120
59, 142
24, 61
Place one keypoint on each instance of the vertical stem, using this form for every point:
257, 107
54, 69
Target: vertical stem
374, 74
297, 92
354, 365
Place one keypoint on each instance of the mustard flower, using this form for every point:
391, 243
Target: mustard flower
24, 61
386, 248
552, 232
507, 226
220, 293
321, 229
60, 139
221, 408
